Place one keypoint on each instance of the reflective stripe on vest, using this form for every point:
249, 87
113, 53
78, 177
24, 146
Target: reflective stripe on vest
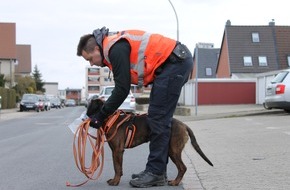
139, 66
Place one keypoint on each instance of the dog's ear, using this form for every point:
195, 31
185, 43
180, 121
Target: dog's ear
94, 107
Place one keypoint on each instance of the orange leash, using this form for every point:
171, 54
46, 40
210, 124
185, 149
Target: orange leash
97, 144
81, 136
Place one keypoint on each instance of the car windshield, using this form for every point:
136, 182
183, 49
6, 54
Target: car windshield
108, 91
29, 97
280, 77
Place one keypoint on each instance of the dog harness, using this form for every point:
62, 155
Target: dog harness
130, 129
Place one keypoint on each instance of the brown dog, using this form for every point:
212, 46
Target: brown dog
179, 136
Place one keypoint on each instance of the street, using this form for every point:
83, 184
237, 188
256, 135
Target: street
36, 153
251, 152
248, 152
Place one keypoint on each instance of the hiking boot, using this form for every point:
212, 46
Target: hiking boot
138, 175
142, 173
148, 179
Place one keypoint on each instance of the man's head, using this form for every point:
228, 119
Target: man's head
89, 50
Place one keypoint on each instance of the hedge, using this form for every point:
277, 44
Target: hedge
8, 98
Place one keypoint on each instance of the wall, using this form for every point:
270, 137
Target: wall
51, 88
219, 91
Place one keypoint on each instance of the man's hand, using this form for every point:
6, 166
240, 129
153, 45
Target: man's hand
95, 123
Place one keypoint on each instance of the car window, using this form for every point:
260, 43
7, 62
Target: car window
29, 97
108, 91
280, 77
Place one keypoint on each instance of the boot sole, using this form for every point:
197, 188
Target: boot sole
158, 183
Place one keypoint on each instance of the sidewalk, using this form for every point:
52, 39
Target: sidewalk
191, 180
220, 111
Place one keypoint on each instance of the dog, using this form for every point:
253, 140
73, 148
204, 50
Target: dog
179, 133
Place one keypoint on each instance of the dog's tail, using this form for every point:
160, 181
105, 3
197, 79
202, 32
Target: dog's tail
196, 146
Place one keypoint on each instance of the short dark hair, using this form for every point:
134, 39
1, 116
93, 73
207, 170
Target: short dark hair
86, 43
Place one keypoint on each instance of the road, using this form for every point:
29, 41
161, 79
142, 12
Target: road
36, 153
251, 152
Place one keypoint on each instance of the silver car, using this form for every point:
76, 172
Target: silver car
129, 105
278, 92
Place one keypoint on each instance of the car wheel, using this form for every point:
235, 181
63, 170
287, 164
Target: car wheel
287, 110
266, 107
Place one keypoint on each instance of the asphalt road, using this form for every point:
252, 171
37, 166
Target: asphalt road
36, 153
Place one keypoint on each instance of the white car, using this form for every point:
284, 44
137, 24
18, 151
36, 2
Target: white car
278, 92
129, 105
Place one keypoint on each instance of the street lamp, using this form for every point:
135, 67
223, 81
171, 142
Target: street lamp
177, 23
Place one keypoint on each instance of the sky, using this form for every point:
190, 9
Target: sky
53, 28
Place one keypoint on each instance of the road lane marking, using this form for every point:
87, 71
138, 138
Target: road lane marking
272, 128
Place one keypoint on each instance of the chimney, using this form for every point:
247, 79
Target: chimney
272, 23
228, 23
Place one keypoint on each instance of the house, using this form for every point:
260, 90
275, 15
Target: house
15, 60
205, 60
248, 50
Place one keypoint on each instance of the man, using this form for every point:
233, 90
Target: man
138, 57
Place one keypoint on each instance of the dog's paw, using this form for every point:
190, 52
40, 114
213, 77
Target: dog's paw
173, 183
113, 182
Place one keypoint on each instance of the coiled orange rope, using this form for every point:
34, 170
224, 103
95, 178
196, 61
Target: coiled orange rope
94, 170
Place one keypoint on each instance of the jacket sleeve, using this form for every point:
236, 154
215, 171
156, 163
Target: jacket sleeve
119, 56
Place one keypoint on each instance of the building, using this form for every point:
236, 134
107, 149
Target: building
96, 77
23, 56
15, 60
75, 94
8, 58
205, 59
249, 50
51, 88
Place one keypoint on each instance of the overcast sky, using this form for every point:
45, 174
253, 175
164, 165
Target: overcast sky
53, 28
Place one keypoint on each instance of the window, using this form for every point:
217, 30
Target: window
288, 58
263, 61
208, 71
255, 37
95, 79
93, 88
94, 71
107, 79
106, 70
248, 61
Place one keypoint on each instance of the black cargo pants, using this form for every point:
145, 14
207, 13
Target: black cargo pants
164, 96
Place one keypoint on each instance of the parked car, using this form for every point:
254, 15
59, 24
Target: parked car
41, 103
70, 103
47, 104
278, 92
31, 102
129, 104
55, 103
90, 99
44, 103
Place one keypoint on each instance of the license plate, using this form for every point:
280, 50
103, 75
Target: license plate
29, 106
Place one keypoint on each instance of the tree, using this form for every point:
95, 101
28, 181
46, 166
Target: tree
2, 80
38, 81
24, 85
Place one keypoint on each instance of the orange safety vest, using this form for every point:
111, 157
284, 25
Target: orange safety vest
148, 52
